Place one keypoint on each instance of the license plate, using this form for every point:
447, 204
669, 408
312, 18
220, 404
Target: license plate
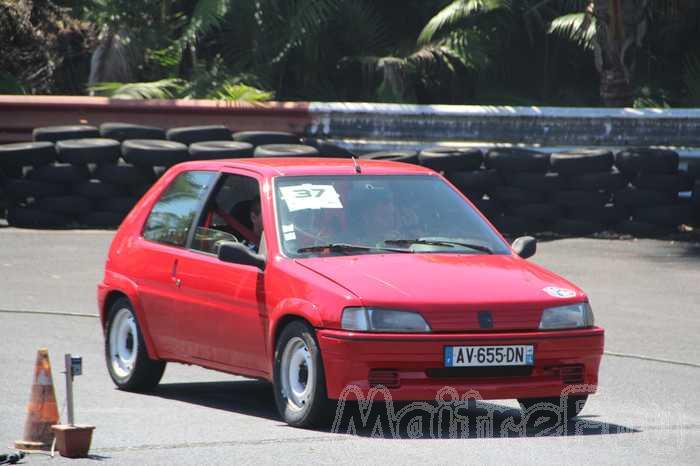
484, 356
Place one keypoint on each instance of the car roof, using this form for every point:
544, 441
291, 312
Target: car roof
277, 166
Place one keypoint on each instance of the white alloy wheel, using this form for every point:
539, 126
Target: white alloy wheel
123, 343
298, 373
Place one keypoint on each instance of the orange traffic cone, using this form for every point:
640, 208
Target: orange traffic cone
42, 411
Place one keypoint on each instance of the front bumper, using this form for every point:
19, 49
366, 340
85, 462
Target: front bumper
415, 368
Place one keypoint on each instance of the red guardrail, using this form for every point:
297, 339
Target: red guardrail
19, 115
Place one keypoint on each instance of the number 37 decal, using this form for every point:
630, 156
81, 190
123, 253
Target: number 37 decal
310, 196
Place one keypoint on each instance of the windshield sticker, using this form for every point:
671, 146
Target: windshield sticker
290, 236
559, 292
311, 196
288, 228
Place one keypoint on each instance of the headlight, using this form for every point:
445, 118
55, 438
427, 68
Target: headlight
382, 320
571, 316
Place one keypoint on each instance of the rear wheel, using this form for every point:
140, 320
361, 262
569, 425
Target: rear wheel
549, 407
125, 351
300, 384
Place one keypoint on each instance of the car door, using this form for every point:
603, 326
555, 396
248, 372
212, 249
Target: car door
225, 320
163, 240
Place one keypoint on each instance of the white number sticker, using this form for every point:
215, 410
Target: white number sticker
311, 196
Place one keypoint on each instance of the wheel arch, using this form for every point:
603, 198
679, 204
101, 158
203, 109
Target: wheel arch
113, 296
288, 311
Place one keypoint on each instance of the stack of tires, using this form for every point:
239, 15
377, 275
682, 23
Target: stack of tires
588, 181
693, 172
82, 176
525, 192
652, 197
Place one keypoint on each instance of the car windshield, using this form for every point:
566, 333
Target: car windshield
365, 214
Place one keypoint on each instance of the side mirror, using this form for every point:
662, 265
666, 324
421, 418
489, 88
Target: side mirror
525, 246
236, 253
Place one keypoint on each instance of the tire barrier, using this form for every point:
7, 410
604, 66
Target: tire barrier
77, 176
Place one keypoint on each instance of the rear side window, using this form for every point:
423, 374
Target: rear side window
172, 216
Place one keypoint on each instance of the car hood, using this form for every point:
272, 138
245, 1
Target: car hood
450, 290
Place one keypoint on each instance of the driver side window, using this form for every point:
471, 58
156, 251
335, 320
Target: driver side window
230, 215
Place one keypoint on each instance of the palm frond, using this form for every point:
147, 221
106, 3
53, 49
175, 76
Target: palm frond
207, 15
304, 18
577, 27
458, 12
241, 93
162, 89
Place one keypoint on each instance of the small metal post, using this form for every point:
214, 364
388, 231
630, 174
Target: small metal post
69, 387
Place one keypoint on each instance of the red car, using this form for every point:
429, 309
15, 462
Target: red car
319, 274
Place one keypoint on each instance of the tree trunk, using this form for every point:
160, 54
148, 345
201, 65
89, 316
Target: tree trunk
620, 27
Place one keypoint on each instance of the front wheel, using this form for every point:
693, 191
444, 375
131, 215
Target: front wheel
552, 407
125, 351
300, 383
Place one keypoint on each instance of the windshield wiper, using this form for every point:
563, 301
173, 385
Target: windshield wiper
441, 242
346, 247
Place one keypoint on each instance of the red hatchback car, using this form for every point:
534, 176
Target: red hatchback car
319, 274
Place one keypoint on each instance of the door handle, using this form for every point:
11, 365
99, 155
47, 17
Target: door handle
173, 273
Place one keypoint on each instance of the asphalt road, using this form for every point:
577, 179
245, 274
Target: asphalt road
645, 293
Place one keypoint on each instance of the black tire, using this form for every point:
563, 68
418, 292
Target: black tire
152, 152
543, 212
512, 196
159, 171
605, 215
211, 150
124, 131
96, 189
261, 138
101, 220
191, 134
30, 217
640, 229
669, 182
20, 189
146, 372
490, 208
632, 197
574, 227
541, 182
138, 190
327, 149
119, 205
666, 215
14, 156
605, 181
517, 160
537, 408
695, 197
125, 175
510, 225
451, 159
393, 156
577, 198
88, 150
61, 133
637, 160
477, 180
581, 161
63, 173
285, 150
316, 410
67, 205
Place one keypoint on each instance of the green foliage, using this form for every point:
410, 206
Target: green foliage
241, 92
577, 27
10, 84
457, 14
162, 89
